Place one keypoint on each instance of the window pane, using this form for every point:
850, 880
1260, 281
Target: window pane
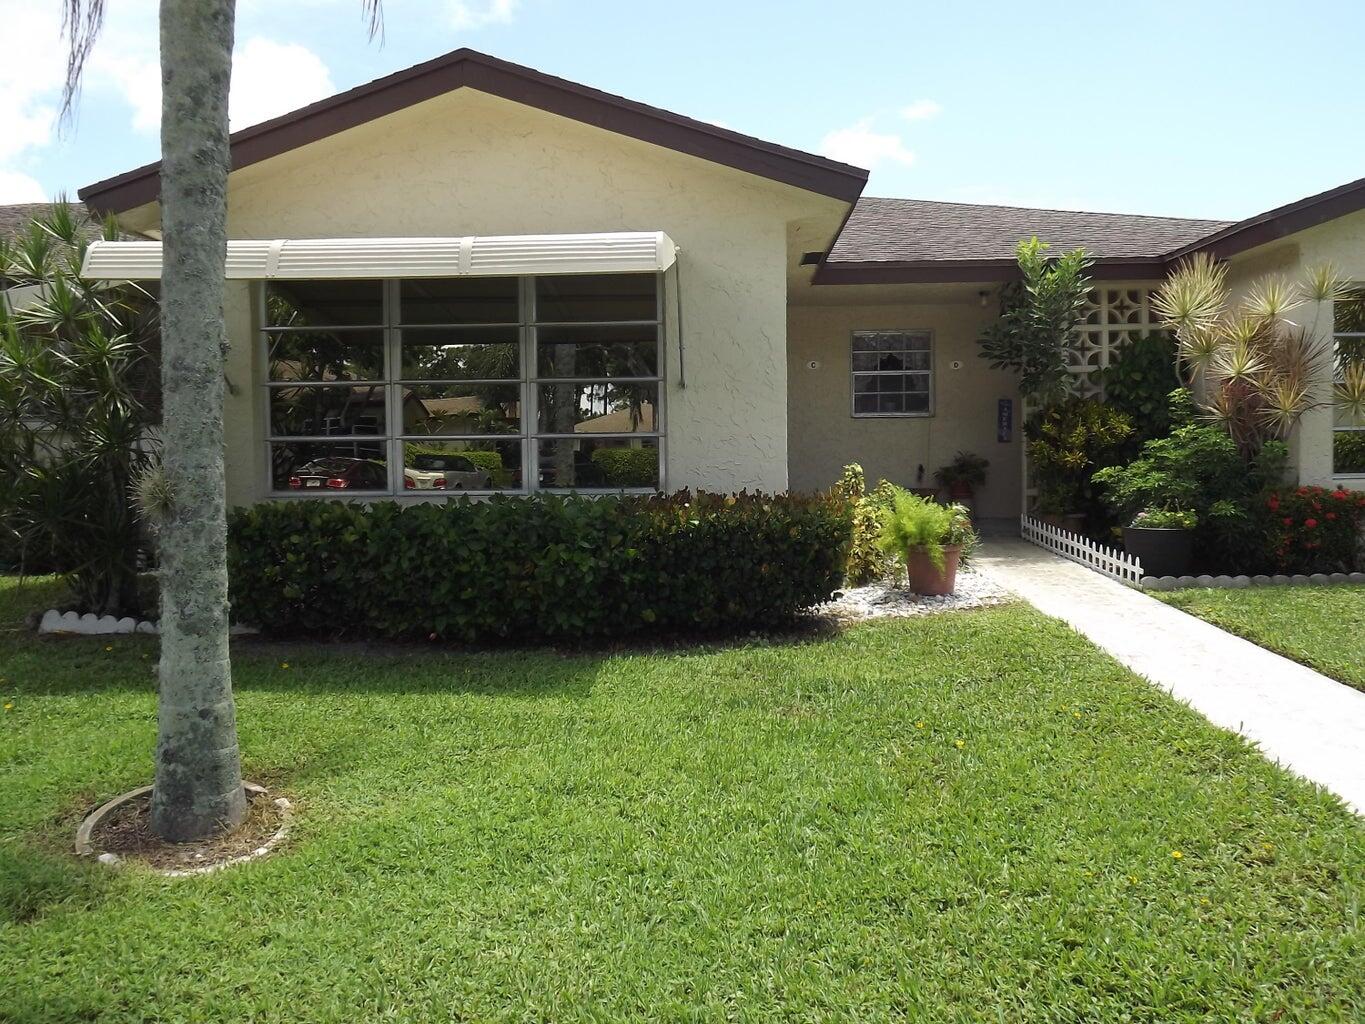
1349, 314
434, 409
489, 353
324, 303
326, 467
598, 462
598, 351
462, 465
326, 355
324, 411
459, 300
879, 360
596, 297
597, 408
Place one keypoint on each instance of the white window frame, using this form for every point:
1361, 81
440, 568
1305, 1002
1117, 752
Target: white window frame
854, 374
1337, 335
529, 380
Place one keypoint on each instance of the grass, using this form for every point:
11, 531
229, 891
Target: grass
1318, 626
954, 818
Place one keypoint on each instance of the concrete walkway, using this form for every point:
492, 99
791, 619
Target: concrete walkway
1305, 721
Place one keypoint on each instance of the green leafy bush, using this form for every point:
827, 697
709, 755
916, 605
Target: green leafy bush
1138, 384
490, 462
918, 524
866, 560
1199, 468
544, 567
1067, 442
1313, 529
627, 467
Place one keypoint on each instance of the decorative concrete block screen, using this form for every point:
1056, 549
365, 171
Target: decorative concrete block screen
1112, 318
1106, 560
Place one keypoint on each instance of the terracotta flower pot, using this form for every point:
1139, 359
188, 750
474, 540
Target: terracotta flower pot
926, 578
960, 490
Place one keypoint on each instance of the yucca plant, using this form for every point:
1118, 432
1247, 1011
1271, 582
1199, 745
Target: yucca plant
77, 407
1254, 368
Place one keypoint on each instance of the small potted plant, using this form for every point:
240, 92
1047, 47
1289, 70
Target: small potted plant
962, 476
1162, 539
935, 540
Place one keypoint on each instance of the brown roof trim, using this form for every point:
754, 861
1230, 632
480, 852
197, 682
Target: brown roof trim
465, 68
1279, 222
971, 271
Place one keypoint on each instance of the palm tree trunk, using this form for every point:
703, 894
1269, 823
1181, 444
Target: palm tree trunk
198, 787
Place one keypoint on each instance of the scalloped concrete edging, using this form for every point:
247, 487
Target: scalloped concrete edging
55, 623
1317, 579
87, 829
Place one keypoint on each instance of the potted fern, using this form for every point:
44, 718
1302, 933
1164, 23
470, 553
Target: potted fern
935, 540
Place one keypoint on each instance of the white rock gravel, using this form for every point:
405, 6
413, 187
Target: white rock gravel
887, 600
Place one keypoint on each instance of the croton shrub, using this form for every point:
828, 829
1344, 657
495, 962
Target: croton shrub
543, 567
1315, 529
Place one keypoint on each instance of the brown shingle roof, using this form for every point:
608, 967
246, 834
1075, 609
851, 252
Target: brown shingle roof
914, 230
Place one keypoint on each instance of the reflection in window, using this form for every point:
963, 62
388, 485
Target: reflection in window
447, 385
892, 373
1348, 436
590, 463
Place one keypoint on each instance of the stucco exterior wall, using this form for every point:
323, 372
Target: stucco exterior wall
1340, 242
824, 434
468, 163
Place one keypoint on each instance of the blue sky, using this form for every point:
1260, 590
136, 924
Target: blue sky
1215, 109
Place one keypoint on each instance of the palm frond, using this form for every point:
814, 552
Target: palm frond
81, 24
1322, 283
1271, 299
1194, 296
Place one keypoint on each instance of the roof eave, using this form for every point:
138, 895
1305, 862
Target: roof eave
972, 271
469, 69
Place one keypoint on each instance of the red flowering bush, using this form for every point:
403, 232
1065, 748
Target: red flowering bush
1315, 529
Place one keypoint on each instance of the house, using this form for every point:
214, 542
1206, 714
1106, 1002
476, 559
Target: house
553, 261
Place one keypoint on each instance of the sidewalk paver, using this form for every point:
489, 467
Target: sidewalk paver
1311, 724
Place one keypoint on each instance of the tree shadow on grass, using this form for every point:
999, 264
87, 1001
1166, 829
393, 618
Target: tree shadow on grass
33, 881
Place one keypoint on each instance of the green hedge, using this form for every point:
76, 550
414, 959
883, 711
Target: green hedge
545, 567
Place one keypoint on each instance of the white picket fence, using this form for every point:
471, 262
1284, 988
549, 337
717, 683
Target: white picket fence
1110, 561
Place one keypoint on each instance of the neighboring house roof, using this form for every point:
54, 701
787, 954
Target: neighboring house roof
15, 219
465, 68
912, 239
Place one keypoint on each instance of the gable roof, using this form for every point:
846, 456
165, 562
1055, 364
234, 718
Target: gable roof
917, 240
465, 68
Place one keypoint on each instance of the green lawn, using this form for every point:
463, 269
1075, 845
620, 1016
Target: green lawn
1320, 626
961, 817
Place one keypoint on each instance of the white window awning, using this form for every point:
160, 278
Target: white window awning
615, 252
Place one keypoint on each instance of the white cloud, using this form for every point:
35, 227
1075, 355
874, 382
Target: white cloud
17, 187
863, 147
921, 110
476, 14
271, 78
29, 78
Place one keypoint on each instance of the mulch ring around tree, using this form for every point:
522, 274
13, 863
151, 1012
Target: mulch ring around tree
120, 832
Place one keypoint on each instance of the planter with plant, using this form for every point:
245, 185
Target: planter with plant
934, 540
1162, 539
962, 476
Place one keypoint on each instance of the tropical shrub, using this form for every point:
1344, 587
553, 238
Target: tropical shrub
78, 404
1037, 318
913, 524
1138, 383
966, 469
866, 561
1066, 443
1348, 451
542, 567
627, 467
1255, 369
1200, 469
1314, 529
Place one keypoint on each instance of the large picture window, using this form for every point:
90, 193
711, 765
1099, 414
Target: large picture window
464, 384
1348, 435
893, 373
